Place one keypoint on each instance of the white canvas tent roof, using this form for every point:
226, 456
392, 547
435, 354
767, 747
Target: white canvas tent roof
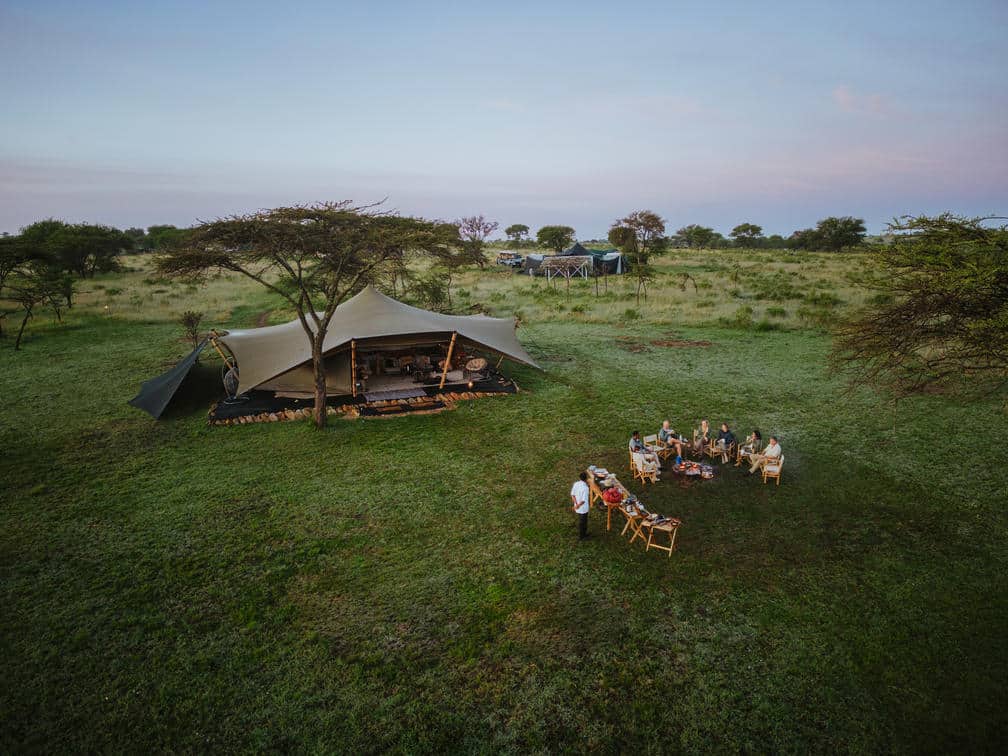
263, 353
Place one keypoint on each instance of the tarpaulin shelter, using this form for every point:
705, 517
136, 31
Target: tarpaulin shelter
604, 260
278, 358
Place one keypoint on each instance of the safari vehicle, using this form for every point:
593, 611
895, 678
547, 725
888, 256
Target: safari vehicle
510, 259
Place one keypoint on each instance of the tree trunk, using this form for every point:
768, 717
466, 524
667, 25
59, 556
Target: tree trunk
24, 321
318, 368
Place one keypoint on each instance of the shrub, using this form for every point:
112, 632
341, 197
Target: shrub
579, 309
742, 318
881, 300
630, 314
776, 312
190, 321
766, 325
113, 292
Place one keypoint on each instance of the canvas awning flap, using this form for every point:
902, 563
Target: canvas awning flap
263, 353
156, 393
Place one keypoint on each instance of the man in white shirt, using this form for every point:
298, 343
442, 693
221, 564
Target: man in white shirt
580, 498
772, 451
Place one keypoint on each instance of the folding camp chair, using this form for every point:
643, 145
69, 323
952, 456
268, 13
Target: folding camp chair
653, 444
643, 469
772, 469
633, 524
670, 526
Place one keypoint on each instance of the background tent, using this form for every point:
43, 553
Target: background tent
603, 260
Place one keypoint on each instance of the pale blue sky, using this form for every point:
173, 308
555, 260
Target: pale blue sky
134, 113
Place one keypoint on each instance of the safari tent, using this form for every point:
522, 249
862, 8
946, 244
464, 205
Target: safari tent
387, 345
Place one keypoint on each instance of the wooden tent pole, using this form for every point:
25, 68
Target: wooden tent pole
499, 362
447, 362
353, 367
213, 340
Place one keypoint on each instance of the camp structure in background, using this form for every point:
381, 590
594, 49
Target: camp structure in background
602, 262
377, 349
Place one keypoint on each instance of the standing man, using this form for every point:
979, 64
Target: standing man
579, 498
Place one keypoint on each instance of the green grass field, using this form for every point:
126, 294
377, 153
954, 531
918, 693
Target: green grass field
416, 584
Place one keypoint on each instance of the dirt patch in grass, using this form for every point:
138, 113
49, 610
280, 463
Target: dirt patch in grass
680, 343
630, 345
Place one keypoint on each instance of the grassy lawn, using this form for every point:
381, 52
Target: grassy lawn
416, 584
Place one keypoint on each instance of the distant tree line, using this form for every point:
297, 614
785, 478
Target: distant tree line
833, 234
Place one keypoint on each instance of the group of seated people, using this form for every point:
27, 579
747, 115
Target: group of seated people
725, 442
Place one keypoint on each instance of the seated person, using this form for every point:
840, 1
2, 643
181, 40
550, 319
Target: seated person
772, 451
668, 437
638, 446
725, 441
725, 438
702, 438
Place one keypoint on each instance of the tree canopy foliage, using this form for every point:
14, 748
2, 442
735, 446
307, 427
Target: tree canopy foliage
640, 235
747, 234
696, 236
474, 231
517, 232
315, 257
557, 238
939, 321
831, 234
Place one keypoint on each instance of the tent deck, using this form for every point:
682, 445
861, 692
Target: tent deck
259, 402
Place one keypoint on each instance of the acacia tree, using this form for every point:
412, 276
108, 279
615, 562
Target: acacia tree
314, 257
557, 238
474, 231
517, 232
939, 320
697, 237
29, 279
85, 249
830, 234
746, 234
640, 236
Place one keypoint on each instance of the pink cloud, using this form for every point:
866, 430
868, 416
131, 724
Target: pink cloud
850, 101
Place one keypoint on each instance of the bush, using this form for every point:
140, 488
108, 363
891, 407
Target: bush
881, 300
742, 318
190, 321
113, 292
766, 325
776, 312
630, 314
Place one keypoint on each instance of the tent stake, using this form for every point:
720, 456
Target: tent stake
353, 367
447, 362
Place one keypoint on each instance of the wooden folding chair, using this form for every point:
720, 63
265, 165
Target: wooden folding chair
713, 450
671, 527
642, 469
633, 524
741, 451
772, 468
657, 447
